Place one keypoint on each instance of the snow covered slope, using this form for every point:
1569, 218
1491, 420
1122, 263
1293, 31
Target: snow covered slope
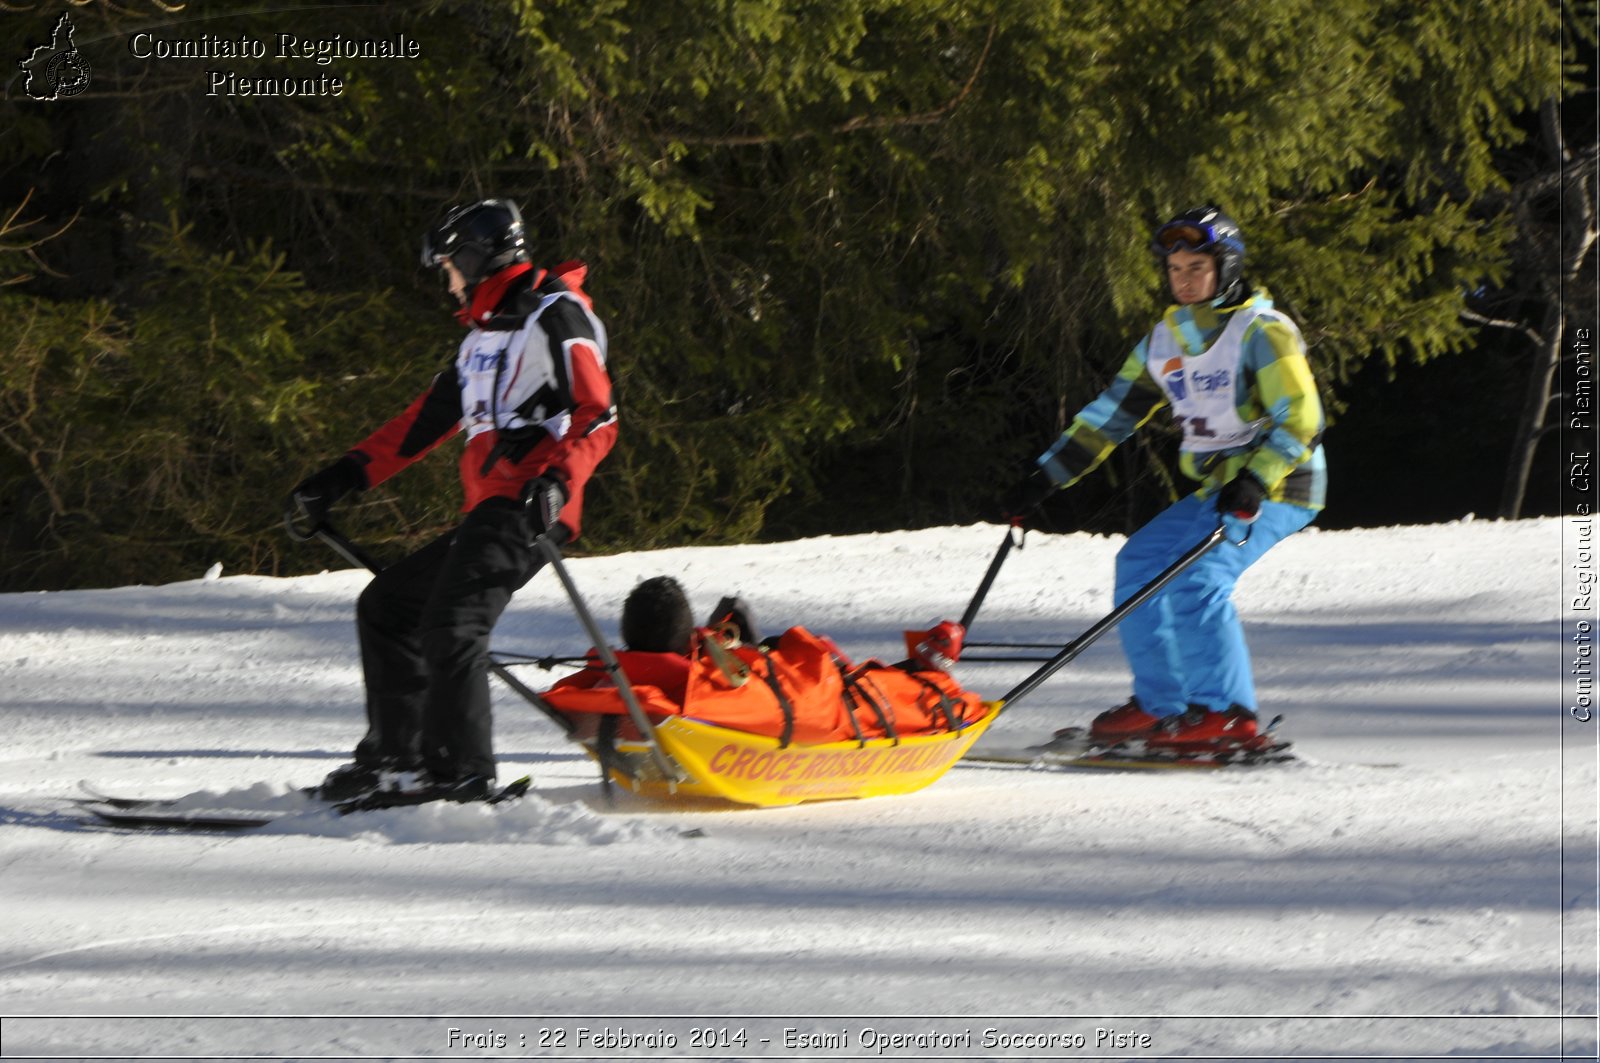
1420, 883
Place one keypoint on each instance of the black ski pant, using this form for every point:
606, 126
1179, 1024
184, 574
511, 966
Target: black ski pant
424, 626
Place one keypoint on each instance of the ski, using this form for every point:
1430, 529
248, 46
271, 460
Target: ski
381, 799
158, 818
1117, 760
1071, 749
93, 796
159, 814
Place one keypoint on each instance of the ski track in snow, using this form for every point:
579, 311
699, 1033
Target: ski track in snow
1406, 888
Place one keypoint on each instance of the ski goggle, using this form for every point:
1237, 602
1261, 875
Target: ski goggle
436, 246
1183, 236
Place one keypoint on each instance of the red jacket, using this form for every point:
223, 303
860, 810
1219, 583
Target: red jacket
528, 386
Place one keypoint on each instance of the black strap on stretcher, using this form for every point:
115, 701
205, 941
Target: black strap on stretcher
783, 699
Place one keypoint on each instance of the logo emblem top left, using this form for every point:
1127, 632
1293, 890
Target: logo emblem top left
56, 70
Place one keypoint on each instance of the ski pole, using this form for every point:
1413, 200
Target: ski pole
669, 770
1111, 619
994, 570
330, 536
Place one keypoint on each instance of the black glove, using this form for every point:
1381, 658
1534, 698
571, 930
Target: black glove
544, 496
1027, 495
1241, 497
317, 493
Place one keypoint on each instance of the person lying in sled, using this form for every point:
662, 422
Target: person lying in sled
796, 687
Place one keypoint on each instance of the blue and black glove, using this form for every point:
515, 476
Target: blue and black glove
1027, 495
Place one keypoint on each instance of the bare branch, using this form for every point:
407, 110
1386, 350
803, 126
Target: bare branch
1574, 168
12, 226
1515, 326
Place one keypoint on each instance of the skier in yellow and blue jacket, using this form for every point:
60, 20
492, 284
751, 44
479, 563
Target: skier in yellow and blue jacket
1233, 372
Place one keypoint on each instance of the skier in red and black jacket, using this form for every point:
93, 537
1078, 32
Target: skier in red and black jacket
529, 388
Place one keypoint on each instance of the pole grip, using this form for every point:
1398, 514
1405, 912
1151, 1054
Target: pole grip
297, 521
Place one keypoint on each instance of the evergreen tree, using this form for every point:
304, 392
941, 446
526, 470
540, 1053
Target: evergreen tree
858, 260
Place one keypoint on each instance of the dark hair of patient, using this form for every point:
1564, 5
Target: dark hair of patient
656, 617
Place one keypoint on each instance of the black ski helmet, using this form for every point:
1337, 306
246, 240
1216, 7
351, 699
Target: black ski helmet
1207, 229
481, 239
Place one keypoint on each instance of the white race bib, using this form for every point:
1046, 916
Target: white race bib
497, 371
1205, 388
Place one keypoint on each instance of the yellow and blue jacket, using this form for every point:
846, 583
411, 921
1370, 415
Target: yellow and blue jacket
1279, 396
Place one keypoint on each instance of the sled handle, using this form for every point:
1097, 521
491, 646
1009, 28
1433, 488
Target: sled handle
1016, 532
1112, 619
297, 521
608, 657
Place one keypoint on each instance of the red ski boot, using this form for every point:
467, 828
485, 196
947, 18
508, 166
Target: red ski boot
1122, 724
1202, 732
1125, 723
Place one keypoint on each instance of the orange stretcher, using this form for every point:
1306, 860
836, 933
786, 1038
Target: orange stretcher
772, 724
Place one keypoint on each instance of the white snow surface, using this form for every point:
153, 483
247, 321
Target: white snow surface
1419, 883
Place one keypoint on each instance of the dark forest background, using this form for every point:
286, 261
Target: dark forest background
859, 259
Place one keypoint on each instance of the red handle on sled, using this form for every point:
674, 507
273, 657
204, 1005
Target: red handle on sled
1111, 619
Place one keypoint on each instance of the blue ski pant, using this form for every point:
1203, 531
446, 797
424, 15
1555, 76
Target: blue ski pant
1186, 645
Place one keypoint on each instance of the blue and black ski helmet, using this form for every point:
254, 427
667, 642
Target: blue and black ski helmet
1207, 229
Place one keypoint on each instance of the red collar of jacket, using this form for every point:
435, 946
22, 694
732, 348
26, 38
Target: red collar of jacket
487, 295
490, 294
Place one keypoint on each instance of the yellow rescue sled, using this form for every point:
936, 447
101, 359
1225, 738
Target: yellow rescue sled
899, 743
753, 769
